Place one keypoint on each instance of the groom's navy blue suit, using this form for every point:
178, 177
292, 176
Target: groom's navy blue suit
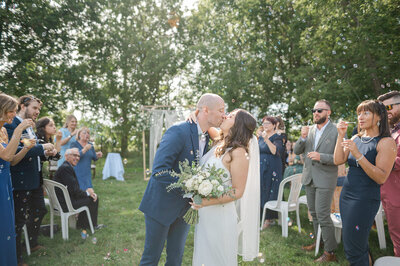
164, 210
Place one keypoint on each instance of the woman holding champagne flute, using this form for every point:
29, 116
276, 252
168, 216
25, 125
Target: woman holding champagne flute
8, 108
370, 155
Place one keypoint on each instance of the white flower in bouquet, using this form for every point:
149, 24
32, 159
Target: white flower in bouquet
214, 182
189, 184
205, 188
220, 188
207, 174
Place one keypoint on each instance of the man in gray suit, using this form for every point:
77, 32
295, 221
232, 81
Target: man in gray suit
320, 174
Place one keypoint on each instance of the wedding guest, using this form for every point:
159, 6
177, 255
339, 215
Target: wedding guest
295, 161
65, 175
28, 193
280, 129
68, 136
88, 154
45, 130
370, 155
390, 195
271, 145
317, 143
8, 108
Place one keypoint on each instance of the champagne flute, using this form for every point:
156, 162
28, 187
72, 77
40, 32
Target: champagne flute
26, 139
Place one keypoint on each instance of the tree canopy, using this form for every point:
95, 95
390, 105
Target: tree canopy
270, 57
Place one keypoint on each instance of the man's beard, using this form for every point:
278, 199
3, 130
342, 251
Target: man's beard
28, 115
321, 120
394, 120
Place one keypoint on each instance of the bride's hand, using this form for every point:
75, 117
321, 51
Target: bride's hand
195, 206
192, 118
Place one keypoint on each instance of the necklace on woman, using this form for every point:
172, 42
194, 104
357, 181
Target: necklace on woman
366, 141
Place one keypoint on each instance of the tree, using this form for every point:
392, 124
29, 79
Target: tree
36, 44
128, 60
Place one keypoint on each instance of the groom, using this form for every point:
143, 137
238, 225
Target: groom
164, 211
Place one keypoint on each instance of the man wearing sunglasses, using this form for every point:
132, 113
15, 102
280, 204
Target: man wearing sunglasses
320, 174
390, 195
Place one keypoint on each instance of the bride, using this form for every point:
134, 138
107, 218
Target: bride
229, 225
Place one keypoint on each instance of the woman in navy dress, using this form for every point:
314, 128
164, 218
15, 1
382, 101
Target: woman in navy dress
8, 108
370, 155
271, 148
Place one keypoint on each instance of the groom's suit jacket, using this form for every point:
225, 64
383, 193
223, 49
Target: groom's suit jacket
323, 173
179, 142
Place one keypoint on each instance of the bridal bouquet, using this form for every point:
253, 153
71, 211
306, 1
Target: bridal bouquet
199, 182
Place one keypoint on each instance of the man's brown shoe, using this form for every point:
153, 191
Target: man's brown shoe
326, 257
312, 246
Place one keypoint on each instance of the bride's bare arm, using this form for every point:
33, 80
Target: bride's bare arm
238, 169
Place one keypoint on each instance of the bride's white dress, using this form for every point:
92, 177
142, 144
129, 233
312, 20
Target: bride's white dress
216, 237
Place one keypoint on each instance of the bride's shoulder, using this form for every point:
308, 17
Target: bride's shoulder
239, 152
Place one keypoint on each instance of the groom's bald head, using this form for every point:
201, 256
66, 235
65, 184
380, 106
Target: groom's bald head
209, 100
211, 109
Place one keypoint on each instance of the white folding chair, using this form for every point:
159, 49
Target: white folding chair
56, 209
283, 207
301, 200
28, 247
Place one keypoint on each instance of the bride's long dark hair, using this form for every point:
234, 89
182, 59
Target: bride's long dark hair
239, 134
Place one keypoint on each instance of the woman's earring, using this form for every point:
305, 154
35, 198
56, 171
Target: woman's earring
378, 124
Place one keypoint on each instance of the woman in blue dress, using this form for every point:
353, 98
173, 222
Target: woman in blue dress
87, 152
8, 108
370, 155
271, 148
68, 136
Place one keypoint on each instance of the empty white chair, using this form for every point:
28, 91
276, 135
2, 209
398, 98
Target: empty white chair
55, 207
301, 200
380, 228
337, 223
284, 207
387, 261
28, 247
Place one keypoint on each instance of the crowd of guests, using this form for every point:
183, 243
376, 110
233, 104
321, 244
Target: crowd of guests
321, 153
25, 143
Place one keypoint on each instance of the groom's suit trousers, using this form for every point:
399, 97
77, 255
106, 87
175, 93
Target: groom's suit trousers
156, 235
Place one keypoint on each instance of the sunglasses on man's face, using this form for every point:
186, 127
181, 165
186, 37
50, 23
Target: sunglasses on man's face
318, 110
390, 106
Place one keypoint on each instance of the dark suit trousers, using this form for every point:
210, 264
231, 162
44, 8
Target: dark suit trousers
93, 206
29, 209
319, 202
156, 235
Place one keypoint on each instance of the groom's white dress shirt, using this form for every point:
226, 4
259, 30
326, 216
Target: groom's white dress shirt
202, 141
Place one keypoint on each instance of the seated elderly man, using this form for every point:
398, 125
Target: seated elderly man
66, 175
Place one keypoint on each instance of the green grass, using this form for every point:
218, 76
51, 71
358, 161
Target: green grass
123, 238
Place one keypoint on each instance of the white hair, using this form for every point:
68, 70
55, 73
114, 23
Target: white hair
69, 151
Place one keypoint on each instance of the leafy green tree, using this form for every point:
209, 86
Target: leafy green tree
36, 43
128, 59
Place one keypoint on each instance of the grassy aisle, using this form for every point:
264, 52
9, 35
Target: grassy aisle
121, 242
